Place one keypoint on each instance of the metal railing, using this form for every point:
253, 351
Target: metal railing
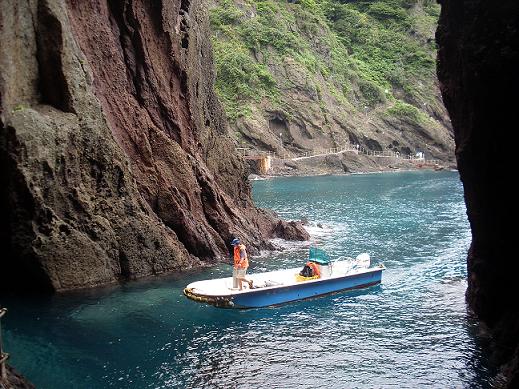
357, 149
347, 147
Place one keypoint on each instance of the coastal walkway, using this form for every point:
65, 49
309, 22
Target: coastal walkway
264, 158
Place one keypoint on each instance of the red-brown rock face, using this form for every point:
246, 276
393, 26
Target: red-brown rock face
479, 76
115, 158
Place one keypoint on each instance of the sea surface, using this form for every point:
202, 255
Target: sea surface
412, 331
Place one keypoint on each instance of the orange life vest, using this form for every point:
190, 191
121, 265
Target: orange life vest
240, 263
315, 268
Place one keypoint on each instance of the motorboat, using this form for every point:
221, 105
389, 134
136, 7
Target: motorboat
286, 285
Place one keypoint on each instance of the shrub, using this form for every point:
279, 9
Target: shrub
408, 112
371, 93
226, 14
240, 79
384, 11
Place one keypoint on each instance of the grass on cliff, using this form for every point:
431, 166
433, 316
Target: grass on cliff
241, 79
388, 40
365, 51
408, 112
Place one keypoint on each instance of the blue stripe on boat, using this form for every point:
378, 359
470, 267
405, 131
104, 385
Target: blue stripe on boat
257, 298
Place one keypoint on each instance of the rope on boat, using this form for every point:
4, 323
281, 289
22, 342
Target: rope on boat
3, 356
217, 301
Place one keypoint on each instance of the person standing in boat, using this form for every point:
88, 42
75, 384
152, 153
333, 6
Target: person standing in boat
241, 264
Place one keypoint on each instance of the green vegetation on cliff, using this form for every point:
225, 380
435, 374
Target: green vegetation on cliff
336, 59
367, 51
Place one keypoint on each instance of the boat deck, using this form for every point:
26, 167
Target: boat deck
274, 279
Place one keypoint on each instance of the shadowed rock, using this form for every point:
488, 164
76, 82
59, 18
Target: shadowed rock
478, 72
16, 381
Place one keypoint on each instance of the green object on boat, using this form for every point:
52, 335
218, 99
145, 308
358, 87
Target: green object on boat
318, 255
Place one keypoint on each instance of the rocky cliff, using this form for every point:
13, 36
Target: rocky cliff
116, 160
478, 72
306, 76
15, 381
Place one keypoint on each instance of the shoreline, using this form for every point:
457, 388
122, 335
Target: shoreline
342, 164
257, 177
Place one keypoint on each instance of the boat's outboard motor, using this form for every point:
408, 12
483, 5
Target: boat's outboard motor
362, 261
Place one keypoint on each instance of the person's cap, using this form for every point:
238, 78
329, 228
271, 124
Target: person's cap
235, 241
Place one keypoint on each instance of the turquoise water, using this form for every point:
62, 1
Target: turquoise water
411, 331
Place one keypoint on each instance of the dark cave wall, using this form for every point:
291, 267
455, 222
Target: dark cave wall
478, 69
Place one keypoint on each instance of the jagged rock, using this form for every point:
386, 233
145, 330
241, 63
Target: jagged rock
117, 158
478, 62
291, 231
15, 380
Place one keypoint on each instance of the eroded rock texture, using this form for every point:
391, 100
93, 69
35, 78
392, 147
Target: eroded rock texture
116, 162
15, 381
479, 75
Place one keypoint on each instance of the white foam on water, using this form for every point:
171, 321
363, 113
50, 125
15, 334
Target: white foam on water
327, 229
